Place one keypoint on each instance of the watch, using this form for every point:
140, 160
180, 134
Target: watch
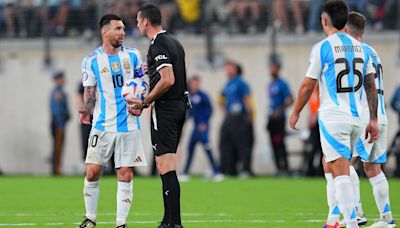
144, 105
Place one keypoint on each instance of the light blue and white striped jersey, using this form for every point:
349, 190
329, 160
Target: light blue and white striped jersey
377, 63
108, 74
340, 63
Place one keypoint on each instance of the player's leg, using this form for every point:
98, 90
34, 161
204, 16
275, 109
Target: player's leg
191, 147
124, 194
206, 144
355, 182
333, 213
128, 153
336, 141
91, 190
377, 178
99, 151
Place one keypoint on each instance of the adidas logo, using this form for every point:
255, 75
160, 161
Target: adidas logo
87, 195
126, 200
138, 159
105, 70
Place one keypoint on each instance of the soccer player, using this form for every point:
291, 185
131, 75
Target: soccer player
372, 155
201, 112
169, 99
340, 64
114, 130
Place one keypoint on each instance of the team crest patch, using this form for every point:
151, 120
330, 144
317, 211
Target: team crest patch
115, 66
85, 76
126, 65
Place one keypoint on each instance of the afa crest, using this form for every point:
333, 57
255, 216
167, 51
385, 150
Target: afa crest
115, 66
126, 65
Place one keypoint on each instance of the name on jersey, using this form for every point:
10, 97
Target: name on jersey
160, 57
348, 48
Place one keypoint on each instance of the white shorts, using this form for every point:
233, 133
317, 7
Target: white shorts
338, 139
126, 146
372, 152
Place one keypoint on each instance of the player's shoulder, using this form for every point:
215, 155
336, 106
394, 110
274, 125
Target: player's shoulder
318, 46
91, 56
370, 49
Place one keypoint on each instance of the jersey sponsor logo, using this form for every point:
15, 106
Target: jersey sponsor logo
105, 70
126, 65
160, 57
85, 76
115, 66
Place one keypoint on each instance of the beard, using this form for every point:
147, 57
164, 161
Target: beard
116, 43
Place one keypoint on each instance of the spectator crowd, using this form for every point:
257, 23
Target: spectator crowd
27, 18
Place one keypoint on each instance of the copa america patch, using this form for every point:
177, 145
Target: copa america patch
85, 76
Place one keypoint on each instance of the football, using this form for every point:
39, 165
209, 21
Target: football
135, 88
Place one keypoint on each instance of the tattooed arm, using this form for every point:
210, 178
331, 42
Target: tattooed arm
372, 97
89, 99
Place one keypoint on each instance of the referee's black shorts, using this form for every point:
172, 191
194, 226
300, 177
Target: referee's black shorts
167, 120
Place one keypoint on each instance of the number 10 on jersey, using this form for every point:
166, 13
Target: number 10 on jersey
118, 80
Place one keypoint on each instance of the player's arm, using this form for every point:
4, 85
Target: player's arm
89, 99
372, 97
304, 94
307, 86
167, 80
89, 94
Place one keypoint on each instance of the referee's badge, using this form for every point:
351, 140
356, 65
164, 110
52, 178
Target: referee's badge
115, 66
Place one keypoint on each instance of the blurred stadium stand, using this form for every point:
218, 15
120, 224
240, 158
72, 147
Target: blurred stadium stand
72, 18
25, 80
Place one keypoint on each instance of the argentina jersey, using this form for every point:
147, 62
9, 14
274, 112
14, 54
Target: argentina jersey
377, 63
108, 74
340, 64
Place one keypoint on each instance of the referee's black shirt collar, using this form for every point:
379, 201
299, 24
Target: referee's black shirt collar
155, 36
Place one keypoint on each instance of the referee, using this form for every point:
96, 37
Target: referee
168, 96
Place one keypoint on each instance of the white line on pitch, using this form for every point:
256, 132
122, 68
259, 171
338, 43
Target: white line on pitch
184, 221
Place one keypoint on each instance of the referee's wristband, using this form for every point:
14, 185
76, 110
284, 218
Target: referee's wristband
144, 105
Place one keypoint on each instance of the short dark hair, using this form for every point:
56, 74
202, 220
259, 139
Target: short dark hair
106, 19
152, 13
356, 23
194, 77
337, 11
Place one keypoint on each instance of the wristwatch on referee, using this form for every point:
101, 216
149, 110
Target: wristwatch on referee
144, 105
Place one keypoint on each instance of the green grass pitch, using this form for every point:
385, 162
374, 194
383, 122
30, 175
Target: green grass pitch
258, 202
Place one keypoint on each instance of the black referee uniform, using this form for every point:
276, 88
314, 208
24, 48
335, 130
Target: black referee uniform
169, 110
168, 116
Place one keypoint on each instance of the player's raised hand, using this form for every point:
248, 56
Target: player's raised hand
372, 130
84, 117
294, 118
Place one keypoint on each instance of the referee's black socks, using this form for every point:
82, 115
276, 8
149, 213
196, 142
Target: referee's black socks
171, 195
